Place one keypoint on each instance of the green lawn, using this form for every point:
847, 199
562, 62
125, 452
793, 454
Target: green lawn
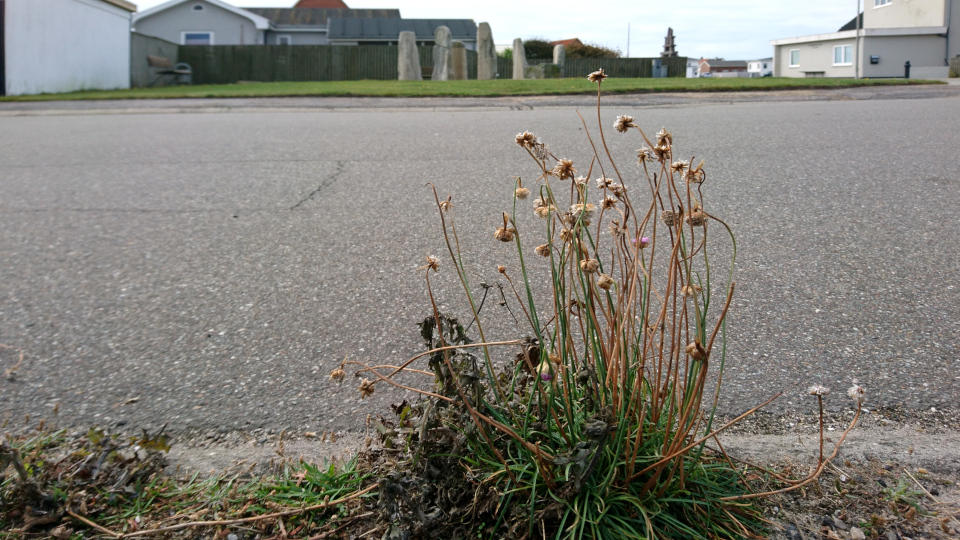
498, 87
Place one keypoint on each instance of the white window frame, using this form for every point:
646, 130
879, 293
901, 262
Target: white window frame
287, 37
843, 55
183, 35
790, 58
881, 3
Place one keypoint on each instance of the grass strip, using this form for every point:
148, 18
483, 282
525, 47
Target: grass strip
491, 88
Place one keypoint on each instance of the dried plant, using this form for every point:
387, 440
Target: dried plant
597, 428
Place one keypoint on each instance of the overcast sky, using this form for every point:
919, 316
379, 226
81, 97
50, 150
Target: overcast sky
733, 29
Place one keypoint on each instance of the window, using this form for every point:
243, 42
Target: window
198, 7
881, 3
794, 57
196, 38
843, 55
284, 40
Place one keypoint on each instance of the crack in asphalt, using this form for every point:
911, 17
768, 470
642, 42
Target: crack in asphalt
325, 183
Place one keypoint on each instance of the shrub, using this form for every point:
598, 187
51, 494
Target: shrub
538, 48
590, 50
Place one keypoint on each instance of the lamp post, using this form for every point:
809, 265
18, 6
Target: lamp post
856, 47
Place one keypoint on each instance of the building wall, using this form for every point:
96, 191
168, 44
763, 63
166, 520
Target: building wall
66, 45
318, 37
228, 28
923, 52
904, 13
141, 74
814, 56
953, 12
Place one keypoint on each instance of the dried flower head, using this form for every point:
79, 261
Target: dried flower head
554, 357
527, 139
664, 138
446, 205
616, 229
581, 180
644, 155
433, 263
857, 394
542, 208
623, 123
691, 290
605, 282
695, 174
540, 151
366, 388
583, 212
589, 265
818, 390
619, 190
563, 169
697, 218
608, 202
543, 250
669, 218
696, 351
338, 374
566, 235
522, 193
679, 166
597, 76
662, 152
603, 182
505, 233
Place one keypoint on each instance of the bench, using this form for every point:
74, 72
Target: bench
180, 73
426, 72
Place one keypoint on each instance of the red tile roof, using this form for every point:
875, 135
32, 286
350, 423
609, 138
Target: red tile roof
321, 4
567, 42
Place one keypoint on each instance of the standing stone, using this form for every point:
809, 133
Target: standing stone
458, 62
486, 53
441, 54
559, 55
408, 59
519, 59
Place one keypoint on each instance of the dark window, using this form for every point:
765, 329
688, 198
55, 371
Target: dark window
198, 7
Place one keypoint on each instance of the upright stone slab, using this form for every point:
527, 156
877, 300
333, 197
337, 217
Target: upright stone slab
458, 62
559, 56
519, 59
486, 53
408, 59
441, 54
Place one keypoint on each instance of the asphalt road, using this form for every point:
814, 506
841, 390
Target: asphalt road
209, 270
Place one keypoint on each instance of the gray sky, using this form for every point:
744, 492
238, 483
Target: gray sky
733, 29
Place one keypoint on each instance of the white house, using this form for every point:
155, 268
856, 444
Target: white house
64, 45
878, 43
760, 68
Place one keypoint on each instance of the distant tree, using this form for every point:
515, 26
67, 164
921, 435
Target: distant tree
507, 53
591, 50
538, 48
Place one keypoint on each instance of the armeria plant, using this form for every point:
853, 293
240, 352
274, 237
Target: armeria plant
598, 429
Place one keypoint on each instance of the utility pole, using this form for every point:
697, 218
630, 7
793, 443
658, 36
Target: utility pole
856, 48
628, 38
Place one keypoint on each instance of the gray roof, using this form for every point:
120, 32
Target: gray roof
319, 16
852, 25
389, 29
727, 63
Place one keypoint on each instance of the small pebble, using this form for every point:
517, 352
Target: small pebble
232, 536
857, 534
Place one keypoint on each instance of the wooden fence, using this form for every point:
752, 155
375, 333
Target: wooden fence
141, 74
224, 64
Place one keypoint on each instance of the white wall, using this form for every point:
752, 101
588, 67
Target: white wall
904, 13
66, 45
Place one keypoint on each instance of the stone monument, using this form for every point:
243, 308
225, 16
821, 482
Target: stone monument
408, 58
486, 53
441, 54
458, 62
519, 59
669, 47
559, 57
